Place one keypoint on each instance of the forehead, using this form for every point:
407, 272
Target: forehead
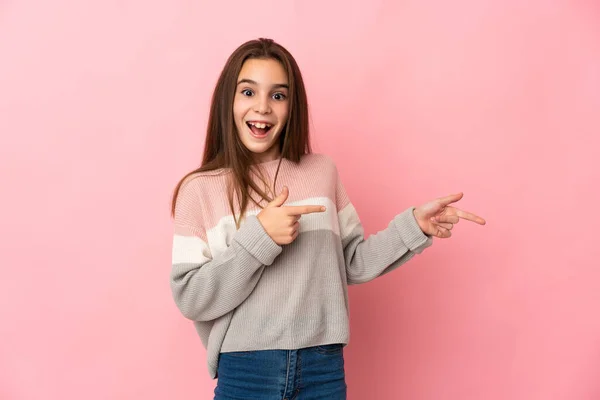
263, 71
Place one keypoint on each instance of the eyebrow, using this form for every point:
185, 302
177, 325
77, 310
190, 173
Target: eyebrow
277, 85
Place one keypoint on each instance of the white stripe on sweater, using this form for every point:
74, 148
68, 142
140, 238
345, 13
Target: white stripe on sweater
190, 249
220, 236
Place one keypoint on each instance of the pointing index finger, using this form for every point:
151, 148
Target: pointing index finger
469, 216
300, 210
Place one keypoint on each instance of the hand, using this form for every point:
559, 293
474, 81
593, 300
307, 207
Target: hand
437, 218
281, 222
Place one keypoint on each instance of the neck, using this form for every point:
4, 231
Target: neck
270, 155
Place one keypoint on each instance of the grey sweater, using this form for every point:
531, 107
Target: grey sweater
245, 292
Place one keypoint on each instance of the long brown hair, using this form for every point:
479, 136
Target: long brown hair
223, 147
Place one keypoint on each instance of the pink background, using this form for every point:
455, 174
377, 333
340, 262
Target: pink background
103, 107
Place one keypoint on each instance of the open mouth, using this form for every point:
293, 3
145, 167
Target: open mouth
259, 129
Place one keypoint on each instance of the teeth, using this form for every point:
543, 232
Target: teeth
260, 125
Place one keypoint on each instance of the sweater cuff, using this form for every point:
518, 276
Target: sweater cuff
410, 232
253, 237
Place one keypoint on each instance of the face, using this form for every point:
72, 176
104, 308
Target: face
261, 107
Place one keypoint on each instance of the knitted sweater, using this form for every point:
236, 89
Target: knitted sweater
245, 292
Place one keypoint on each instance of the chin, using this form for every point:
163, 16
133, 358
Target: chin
260, 149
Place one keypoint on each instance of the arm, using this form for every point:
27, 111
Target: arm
380, 253
205, 287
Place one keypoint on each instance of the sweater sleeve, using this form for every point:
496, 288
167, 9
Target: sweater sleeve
206, 287
382, 252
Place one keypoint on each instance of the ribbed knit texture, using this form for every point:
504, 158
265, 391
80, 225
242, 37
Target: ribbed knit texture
245, 292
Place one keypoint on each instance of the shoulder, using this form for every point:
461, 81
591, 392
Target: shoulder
200, 182
319, 160
199, 197
206, 177
319, 169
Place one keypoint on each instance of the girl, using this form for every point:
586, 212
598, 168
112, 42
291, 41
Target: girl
266, 240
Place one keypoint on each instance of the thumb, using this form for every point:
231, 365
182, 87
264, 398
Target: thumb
453, 198
279, 200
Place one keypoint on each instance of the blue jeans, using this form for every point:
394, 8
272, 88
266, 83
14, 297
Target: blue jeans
313, 373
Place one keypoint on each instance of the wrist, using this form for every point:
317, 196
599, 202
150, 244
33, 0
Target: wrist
418, 218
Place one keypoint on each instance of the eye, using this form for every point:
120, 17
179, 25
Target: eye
247, 92
279, 96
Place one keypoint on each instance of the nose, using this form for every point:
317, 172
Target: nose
262, 105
